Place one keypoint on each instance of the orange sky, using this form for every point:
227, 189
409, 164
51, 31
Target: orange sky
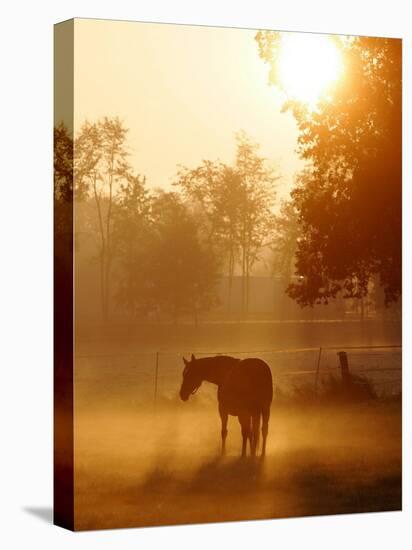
183, 91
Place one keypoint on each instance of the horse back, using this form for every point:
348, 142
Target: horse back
258, 373
248, 386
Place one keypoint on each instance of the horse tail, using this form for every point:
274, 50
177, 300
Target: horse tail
265, 426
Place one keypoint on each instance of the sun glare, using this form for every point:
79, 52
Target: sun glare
308, 66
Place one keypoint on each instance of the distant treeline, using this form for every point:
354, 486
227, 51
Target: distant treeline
168, 249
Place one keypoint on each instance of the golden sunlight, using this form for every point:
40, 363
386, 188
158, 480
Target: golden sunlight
308, 66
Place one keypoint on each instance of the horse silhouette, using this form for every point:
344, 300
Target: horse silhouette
245, 390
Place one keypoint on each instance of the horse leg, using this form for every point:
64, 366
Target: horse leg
265, 428
255, 433
245, 425
223, 418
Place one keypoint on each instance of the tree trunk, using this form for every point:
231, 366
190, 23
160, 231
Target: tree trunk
108, 239
247, 286
102, 288
107, 285
243, 281
102, 259
230, 280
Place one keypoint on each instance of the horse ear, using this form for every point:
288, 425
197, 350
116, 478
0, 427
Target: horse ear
193, 358
185, 361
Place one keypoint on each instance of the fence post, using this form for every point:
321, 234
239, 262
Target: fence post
317, 370
344, 367
156, 376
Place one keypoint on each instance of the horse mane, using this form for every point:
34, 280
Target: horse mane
222, 359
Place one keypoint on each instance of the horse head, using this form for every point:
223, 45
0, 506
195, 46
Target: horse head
192, 379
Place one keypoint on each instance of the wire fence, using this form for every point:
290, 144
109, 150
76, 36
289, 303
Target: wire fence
157, 375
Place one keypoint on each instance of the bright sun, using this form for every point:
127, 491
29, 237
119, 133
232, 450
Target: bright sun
308, 66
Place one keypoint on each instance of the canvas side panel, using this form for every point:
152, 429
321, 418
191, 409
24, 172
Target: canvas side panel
63, 276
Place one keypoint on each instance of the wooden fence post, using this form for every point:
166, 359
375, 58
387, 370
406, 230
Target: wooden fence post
344, 367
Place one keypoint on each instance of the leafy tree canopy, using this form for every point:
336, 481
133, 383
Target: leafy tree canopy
349, 199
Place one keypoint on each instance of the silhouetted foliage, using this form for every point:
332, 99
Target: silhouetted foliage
63, 184
287, 233
183, 270
63, 163
63, 262
131, 235
212, 190
100, 166
236, 204
165, 267
349, 200
257, 200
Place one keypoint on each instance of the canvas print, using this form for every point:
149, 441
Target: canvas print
227, 274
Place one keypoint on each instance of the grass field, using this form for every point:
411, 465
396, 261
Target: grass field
141, 462
163, 467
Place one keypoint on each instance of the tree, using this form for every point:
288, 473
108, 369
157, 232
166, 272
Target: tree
63, 245
63, 163
236, 204
131, 238
183, 270
100, 167
285, 242
212, 189
63, 183
349, 201
257, 196
165, 267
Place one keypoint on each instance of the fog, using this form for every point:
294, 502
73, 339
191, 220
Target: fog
143, 457
151, 466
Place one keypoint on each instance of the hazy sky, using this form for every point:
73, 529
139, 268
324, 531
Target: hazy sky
183, 92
